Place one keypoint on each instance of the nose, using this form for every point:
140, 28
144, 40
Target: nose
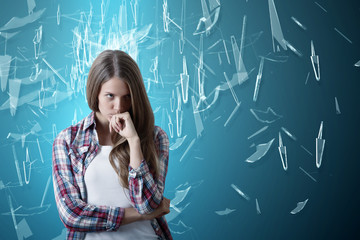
117, 105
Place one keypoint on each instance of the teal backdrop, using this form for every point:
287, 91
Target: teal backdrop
225, 178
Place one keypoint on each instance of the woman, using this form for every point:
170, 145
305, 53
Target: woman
109, 169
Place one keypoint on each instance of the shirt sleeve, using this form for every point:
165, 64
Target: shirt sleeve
146, 193
76, 214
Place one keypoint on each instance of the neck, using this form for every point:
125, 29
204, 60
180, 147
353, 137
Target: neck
101, 122
102, 128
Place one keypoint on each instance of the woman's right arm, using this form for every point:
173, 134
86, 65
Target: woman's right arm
74, 212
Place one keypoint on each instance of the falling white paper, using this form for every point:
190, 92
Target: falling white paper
299, 207
180, 196
225, 212
240, 192
261, 150
268, 116
258, 211
178, 143
16, 22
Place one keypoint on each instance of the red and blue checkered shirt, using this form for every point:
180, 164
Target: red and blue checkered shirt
73, 150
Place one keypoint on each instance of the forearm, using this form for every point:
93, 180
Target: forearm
146, 191
136, 154
131, 215
82, 217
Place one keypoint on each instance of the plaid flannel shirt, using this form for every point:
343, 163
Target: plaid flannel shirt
73, 150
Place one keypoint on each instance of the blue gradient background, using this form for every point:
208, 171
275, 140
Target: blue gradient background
217, 158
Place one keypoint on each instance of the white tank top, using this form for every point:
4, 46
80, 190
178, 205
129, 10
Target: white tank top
103, 188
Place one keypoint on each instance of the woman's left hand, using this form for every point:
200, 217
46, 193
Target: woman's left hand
123, 124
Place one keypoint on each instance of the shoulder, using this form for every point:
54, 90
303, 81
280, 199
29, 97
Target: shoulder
161, 136
161, 141
73, 134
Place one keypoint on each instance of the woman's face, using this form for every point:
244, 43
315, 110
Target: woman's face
114, 97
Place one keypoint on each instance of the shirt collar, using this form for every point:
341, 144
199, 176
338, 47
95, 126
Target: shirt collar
90, 120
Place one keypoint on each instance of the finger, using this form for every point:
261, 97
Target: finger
117, 129
119, 125
114, 120
123, 121
161, 214
113, 123
164, 213
123, 115
119, 115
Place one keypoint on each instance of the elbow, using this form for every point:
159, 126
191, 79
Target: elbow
69, 218
145, 200
67, 222
73, 223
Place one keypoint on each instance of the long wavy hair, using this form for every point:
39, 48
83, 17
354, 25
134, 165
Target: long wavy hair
116, 63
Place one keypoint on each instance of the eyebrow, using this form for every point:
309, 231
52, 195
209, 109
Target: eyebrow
115, 94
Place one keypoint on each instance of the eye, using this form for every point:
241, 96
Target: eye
109, 95
128, 96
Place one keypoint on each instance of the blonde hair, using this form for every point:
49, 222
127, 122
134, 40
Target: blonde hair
116, 63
